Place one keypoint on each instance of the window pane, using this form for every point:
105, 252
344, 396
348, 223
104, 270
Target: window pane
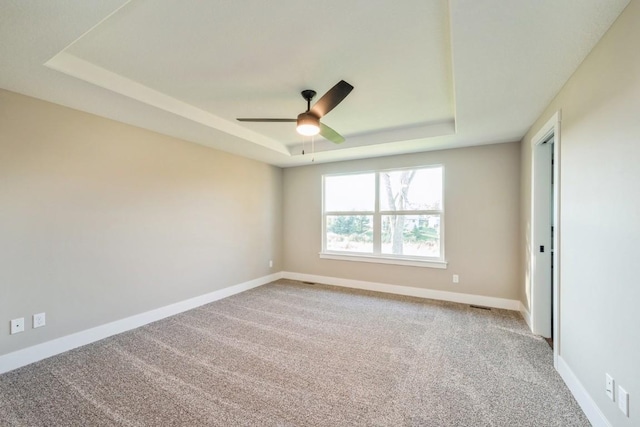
411, 235
346, 193
350, 233
408, 190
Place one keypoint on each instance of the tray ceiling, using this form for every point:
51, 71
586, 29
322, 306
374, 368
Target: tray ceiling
427, 74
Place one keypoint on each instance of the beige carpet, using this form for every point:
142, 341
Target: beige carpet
290, 354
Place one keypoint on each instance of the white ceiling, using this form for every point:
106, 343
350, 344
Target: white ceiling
428, 74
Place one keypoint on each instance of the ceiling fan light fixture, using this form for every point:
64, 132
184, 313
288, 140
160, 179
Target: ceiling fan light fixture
308, 124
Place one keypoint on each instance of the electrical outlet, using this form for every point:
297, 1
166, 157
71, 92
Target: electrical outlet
270, 263
456, 278
609, 387
17, 325
39, 320
623, 401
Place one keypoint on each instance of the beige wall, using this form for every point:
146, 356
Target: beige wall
100, 220
481, 222
600, 215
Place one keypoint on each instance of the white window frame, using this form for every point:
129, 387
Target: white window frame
377, 256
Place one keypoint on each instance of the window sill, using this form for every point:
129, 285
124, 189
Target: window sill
384, 260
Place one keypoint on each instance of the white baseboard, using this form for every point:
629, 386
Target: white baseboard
503, 303
588, 405
526, 315
47, 349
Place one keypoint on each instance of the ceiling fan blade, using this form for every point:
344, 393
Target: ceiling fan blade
332, 98
268, 120
331, 134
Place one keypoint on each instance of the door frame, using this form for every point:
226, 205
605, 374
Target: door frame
541, 296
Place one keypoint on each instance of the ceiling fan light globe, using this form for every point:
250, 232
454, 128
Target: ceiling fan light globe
308, 124
308, 130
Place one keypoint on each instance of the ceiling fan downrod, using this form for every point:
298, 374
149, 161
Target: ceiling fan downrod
308, 94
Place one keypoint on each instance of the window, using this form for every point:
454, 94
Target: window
393, 215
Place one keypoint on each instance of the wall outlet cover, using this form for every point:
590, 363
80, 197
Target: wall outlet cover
623, 401
610, 387
39, 320
17, 325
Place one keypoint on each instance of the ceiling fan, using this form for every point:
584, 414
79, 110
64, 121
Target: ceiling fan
308, 123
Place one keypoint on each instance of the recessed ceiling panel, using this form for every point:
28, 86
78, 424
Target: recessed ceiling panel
252, 58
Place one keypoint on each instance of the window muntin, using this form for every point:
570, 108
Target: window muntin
388, 214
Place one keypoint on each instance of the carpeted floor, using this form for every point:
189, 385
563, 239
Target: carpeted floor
290, 354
